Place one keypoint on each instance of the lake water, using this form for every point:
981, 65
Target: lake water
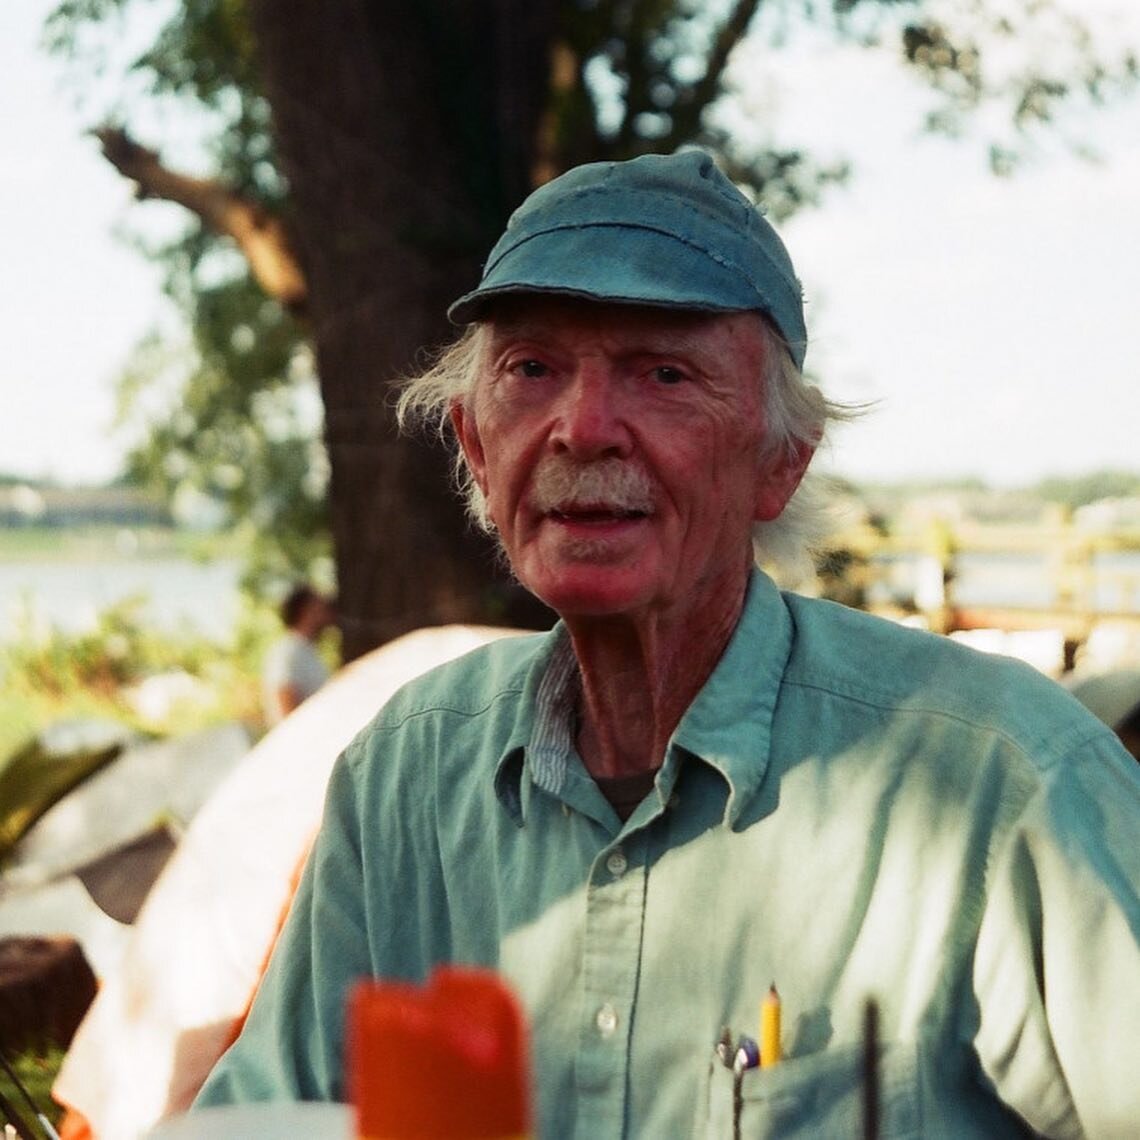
203, 596
176, 593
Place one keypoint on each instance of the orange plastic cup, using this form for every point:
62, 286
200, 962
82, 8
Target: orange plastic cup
448, 1059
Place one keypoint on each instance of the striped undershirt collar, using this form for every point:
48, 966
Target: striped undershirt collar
555, 723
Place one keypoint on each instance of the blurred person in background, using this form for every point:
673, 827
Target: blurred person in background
293, 669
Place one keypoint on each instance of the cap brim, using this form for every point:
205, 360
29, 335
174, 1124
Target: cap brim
614, 263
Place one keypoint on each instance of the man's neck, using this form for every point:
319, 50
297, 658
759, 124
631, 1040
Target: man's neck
638, 678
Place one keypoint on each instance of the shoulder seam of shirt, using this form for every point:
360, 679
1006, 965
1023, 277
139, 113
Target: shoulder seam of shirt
437, 689
510, 690
358, 750
1043, 751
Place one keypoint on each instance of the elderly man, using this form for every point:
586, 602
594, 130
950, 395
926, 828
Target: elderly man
696, 785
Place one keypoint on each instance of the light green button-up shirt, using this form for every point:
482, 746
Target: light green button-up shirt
848, 809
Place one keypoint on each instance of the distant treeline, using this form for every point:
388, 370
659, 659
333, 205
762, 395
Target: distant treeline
1067, 490
41, 504
1079, 491
119, 502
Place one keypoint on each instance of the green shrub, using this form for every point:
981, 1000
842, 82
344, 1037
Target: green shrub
48, 675
36, 1071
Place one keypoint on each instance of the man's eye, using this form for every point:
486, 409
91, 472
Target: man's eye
531, 369
664, 374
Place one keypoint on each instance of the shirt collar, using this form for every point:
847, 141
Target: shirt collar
728, 725
556, 705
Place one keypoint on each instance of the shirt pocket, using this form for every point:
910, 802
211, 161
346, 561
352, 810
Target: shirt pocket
815, 1096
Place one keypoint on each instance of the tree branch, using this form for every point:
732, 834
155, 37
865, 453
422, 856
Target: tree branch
261, 236
687, 116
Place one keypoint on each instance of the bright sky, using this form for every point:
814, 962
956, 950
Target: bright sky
994, 321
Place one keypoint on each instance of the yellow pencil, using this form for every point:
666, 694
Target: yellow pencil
770, 1028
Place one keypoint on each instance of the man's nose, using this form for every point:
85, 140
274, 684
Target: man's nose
590, 421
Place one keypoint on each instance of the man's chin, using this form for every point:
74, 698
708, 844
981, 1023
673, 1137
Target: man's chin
599, 592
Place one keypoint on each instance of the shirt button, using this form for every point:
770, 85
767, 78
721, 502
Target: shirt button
606, 1020
616, 862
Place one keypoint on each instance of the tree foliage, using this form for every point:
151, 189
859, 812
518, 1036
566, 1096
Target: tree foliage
359, 160
1080, 490
234, 427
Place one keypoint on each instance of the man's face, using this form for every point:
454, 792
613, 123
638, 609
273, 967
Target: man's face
620, 453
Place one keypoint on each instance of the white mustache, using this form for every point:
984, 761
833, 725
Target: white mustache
561, 484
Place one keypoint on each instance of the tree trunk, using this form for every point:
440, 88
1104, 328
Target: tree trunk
392, 208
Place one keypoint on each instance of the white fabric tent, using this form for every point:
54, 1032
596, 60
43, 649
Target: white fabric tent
200, 942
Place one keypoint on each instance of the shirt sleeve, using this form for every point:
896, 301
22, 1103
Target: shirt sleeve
291, 1047
1057, 970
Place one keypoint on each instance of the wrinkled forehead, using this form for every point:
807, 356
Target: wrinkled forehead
728, 351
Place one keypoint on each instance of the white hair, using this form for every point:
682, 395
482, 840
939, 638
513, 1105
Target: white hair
796, 416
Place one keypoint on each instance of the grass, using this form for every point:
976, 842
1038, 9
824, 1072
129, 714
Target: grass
46, 678
24, 711
87, 543
97, 674
50, 676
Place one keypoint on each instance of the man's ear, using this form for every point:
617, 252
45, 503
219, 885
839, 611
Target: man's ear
467, 432
778, 483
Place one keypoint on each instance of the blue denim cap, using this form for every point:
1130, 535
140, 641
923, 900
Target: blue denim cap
662, 230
